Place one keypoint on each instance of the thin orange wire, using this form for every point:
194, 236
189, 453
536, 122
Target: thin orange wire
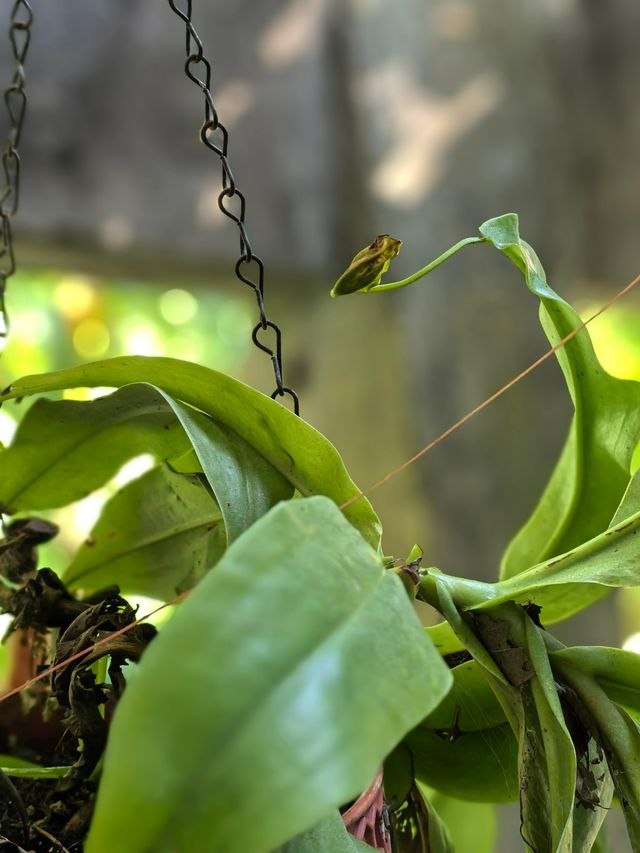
494, 396
45, 673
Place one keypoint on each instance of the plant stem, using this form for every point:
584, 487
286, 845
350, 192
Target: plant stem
395, 285
465, 592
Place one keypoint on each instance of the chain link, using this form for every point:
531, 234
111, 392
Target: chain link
15, 98
249, 268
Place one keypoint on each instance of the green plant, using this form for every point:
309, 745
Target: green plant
296, 665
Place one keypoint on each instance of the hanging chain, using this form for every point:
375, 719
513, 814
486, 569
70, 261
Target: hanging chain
15, 98
249, 267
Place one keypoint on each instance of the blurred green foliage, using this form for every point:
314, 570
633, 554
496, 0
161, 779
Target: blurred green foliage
59, 319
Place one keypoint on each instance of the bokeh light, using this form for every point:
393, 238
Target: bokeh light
143, 340
178, 306
632, 643
74, 296
91, 338
617, 344
7, 427
615, 338
33, 327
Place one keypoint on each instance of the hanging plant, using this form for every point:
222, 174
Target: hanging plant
294, 667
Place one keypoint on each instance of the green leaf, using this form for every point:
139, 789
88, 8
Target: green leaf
588, 824
605, 430
450, 596
63, 450
8, 762
157, 536
547, 758
19, 768
470, 705
630, 503
245, 484
301, 454
289, 673
447, 605
547, 762
444, 638
36, 772
617, 671
328, 836
480, 766
472, 827
593, 470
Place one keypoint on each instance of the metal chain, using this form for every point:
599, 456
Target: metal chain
15, 98
249, 268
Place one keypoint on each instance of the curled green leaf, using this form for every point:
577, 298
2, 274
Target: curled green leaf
307, 460
594, 468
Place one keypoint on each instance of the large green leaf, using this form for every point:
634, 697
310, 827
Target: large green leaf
593, 470
481, 766
290, 672
157, 536
63, 450
304, 456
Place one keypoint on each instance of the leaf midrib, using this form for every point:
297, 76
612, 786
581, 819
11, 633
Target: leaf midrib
149, 541
77, 445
